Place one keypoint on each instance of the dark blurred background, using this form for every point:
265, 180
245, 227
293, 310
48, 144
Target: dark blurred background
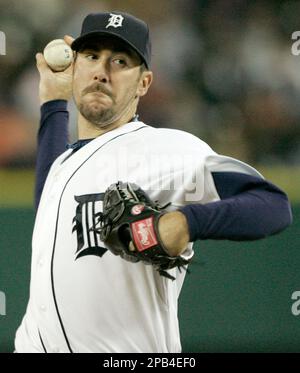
224, 71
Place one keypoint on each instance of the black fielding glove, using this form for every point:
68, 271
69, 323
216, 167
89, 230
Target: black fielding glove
130, 217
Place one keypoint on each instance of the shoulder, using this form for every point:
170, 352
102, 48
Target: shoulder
177, 140
190, 147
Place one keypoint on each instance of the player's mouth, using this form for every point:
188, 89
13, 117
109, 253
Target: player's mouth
100, 97
98, 93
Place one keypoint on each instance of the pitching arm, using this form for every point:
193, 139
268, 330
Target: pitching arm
55, 89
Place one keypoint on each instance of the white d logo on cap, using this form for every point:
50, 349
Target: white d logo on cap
115, 21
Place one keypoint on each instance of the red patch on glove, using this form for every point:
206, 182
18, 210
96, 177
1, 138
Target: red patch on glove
144, 234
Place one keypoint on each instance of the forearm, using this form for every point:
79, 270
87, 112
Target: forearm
249, 216
52, 140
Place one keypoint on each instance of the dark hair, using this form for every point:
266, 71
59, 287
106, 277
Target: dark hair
143, 68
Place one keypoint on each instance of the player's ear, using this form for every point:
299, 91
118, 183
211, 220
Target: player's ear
144, 83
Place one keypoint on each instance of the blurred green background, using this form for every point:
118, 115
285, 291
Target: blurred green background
224, 71
237, 297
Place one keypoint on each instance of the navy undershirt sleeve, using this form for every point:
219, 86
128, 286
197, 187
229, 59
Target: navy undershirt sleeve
250, 208
52, 140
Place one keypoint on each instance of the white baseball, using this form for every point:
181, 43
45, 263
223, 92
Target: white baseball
58, 55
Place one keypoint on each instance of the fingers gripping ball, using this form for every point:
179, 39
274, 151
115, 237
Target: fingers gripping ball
58, 55
129, 228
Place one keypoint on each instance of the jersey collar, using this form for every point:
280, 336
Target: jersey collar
80, 143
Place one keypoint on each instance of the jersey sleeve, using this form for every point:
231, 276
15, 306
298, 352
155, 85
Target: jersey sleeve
52, 140
213, 164
237, 203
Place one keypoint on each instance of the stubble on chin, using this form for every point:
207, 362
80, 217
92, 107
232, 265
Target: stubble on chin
98, 117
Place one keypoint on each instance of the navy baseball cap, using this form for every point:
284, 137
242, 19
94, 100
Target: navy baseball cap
123, 26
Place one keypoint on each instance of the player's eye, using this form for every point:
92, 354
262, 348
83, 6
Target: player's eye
120, 62
91, 57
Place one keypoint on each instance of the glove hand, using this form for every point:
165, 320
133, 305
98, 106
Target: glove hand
129, 227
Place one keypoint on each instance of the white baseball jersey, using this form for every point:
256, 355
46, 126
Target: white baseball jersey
82, 297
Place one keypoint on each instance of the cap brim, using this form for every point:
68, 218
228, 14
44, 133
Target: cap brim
77, 43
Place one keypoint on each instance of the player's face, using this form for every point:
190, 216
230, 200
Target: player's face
107, 82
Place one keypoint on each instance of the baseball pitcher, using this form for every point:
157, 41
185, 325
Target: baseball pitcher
118, 210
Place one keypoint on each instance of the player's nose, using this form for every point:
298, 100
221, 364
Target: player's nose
101, 72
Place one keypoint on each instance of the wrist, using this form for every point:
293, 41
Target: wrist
174, 232
61, 103
45, 99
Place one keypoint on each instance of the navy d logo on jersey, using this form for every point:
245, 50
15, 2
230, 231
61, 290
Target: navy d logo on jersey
115, 21
88, 240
